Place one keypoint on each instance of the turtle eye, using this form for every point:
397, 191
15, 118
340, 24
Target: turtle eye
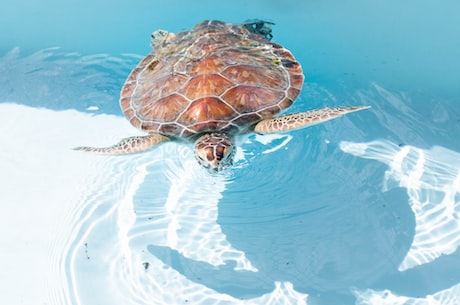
200, 157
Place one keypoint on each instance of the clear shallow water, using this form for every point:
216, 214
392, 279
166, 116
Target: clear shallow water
359, 210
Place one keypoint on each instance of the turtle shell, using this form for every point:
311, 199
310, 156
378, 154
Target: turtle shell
216, 77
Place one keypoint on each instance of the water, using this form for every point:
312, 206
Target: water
360, 210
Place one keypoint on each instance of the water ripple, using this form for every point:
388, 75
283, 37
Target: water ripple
56, 79
450, 296
155, 228
432, 180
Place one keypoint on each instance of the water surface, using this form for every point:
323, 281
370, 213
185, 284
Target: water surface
360, 210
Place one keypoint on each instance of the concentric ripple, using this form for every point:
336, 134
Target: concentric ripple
107, 219
130, 205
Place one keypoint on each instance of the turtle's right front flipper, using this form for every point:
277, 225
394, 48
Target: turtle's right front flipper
128, 145
303, 119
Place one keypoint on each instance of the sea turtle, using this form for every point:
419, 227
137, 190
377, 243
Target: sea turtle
210, 83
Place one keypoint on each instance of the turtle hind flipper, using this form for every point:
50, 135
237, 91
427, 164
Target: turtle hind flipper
303, 119
129, 145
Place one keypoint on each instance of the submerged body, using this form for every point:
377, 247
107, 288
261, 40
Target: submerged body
210, 83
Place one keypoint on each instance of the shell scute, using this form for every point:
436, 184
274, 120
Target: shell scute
210, 64
270, 111
296, 81
163, 110
256, 76
170, 129
208, 84
245, 118
248, 99
286, 103
206, 109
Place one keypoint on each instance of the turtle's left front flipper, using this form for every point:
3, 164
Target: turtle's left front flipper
128, 145
303, 119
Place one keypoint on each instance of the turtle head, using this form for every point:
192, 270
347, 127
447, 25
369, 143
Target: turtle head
214, 151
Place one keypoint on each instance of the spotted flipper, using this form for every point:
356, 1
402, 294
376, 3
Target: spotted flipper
128, 145
303, 119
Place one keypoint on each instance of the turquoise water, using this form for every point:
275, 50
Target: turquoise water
364, 209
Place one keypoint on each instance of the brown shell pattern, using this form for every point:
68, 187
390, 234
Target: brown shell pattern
216, 77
